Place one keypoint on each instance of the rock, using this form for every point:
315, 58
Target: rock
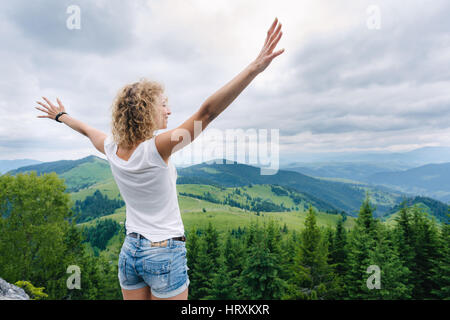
11, 292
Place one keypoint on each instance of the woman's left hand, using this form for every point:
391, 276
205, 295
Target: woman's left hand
50, 108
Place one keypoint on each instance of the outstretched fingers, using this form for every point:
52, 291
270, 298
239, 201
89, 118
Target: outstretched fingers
48, 114
61, 106
274, 43
266, 55
269, 33
52, 106
43, 105
274, 35
50, 109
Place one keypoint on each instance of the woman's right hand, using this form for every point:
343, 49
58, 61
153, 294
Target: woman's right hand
266, 55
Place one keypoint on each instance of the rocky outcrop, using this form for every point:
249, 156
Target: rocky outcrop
11, 292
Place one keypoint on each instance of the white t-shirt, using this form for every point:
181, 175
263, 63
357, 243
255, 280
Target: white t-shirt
148, 187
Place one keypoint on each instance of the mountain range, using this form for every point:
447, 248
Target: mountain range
7, 165
394, 160
431, 180
329, 194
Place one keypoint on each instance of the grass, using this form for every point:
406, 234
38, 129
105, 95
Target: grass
225, 218
86, 173
108, 188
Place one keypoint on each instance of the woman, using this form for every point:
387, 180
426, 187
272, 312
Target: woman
152, 261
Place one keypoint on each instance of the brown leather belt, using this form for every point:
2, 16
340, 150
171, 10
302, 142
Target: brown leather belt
157, 244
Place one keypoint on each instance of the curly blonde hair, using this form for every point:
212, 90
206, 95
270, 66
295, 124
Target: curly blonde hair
134, 112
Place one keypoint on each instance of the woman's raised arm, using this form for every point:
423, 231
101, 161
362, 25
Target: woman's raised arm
96, 136
175, 139
220, 100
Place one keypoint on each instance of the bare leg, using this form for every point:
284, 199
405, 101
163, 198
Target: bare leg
181, 296
138, 294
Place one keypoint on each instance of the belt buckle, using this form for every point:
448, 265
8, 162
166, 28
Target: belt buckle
159, 244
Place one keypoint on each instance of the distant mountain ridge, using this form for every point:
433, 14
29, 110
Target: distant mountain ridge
78, 174
58, 167
409, 159
431, 176
357, 171
432, 180
344, 196
8, 165
83, 173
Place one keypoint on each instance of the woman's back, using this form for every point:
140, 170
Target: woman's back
148, 186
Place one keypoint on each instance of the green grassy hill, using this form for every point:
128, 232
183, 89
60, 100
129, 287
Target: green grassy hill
78, 174
342, 196
84, 176
432, 207
93, 172
224, 218
107, 187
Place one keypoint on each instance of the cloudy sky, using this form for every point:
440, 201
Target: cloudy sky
355, 75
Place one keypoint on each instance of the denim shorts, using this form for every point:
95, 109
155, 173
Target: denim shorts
163, 269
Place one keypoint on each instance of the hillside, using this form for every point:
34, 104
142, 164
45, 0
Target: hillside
195, 197
78, 174
226, 218
343, 196
356, 171
8, 165
432, 207
85, 175
432, 180
198, 213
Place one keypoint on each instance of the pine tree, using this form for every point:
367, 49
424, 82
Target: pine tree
222, 283
192, 252
260, 278
442, 271
234, 261
339, 253
329, 238
288, 249
201, 274
427, 249
394, 273
361, 242
273, 236
206, 264
370, 244
312, 276
212, 246
404, 241
337, 257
